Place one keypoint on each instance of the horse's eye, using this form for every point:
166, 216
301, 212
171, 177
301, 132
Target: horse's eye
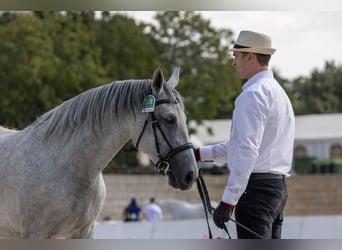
170, 119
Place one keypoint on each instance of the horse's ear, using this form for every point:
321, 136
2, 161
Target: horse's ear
157, 81
174, 79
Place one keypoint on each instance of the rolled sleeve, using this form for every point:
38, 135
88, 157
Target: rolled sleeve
206, 153
217, 152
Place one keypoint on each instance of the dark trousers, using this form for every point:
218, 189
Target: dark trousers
261, 206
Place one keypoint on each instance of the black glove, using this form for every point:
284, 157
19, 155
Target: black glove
222, 214
197, 154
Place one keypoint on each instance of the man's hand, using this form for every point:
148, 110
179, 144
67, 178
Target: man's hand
222, 214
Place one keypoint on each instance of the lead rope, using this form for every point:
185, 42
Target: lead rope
208, 208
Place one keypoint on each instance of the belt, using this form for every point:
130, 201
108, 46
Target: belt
265, 176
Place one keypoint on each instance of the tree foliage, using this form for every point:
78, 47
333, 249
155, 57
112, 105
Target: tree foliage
321, 92
48, 57
209, 82
126, 52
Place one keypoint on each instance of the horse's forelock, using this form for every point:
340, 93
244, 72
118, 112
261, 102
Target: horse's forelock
173, 95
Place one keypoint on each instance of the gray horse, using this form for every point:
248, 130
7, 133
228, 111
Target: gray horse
51, 183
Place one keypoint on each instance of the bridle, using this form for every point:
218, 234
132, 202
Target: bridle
162, 166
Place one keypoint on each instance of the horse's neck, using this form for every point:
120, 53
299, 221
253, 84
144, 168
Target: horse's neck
101, 148
106, 144
89, 150
4, 132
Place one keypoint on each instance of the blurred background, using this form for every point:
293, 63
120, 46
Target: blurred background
47, 57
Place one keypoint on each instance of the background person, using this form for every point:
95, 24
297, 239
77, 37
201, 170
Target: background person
152, 211
132, 211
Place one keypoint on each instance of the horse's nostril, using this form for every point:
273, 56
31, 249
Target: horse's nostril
190, 177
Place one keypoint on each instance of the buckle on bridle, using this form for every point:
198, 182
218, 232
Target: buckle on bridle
163, 167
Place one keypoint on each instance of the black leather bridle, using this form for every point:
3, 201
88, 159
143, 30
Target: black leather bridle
162, 166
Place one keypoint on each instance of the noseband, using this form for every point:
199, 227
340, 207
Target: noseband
162, 166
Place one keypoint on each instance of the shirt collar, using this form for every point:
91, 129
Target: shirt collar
256, 77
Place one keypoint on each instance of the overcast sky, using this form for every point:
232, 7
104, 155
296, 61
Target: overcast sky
304, 39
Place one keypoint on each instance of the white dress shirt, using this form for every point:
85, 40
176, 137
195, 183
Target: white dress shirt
261, 138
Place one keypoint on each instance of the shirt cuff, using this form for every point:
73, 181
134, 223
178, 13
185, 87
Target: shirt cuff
229, 197
206, 154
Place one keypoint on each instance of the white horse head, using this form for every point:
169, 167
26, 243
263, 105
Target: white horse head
170, 149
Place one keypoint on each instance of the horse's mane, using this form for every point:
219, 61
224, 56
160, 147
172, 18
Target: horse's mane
117, 100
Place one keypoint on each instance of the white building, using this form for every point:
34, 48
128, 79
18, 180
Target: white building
319, 136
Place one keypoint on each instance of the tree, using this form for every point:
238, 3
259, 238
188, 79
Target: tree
45, 59
7, 17
78, 55
319, 93
210, 83
25, 60
288, 87
125, 50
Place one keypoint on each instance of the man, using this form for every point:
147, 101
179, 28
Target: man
259, 151
132, 211
152, 211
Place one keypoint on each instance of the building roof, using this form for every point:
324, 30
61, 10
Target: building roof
319, 127
308, 127
220, 131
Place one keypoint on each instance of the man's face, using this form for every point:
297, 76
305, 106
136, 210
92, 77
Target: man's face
240, 62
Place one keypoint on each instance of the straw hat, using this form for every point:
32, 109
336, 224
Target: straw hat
250, 41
